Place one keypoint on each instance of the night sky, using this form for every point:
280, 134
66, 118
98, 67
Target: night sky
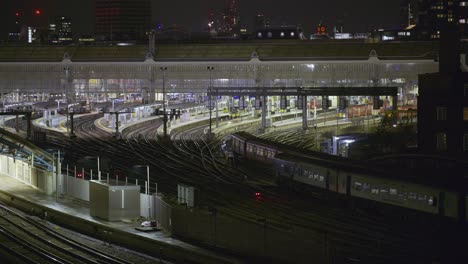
357, 15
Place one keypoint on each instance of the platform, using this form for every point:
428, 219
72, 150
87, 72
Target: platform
77, 216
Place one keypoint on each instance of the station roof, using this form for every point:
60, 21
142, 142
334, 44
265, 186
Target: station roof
227, 51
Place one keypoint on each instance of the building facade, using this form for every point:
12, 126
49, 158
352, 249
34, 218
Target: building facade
122, 20
60, 31
434, 15
443, 104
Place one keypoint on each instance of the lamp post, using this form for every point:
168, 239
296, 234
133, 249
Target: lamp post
67, 81
210, 69
163, 70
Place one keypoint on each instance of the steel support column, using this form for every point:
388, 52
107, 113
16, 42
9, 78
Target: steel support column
264, 112
304, 112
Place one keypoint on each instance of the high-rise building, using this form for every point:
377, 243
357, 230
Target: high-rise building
409, 12
229, 24
118, 20
60, 31
261, 22
443, 102
435, 15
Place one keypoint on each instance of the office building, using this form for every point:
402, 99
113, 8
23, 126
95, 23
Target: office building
121, 20
443, 102
60, 31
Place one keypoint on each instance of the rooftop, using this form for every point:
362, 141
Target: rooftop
232, 51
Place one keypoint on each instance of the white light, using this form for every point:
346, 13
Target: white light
311, 66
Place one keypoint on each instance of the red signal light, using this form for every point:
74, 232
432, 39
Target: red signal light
17, 14
37, 12
79, 175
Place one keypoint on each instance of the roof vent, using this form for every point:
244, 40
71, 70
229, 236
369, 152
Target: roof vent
66, 56
373, 54
149, 55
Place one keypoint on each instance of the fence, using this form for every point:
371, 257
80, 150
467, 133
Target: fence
24, 172
151, 205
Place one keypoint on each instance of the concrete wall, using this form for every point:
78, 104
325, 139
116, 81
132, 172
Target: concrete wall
255, 238
75, 187
24, 172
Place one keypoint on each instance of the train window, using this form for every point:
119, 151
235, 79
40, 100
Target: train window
383, 191
366, 187
422, 197
357, 186
375, 190
432, 201
412, 195
249, 148
321, 178
402, 195
393, 191
316, 176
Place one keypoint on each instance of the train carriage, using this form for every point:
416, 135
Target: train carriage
352, 178
395, 192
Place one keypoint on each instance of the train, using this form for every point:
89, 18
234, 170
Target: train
352, 178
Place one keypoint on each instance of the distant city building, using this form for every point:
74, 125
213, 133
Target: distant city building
394, 34
443, 102
261, 22
320, 32
122, 20
435, 15
15, 33
33, 35
227, 23
409, 12
60, 31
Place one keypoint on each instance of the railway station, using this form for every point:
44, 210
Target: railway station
229, 153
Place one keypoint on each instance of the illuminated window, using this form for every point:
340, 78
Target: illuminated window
462, 21
441, 113
292, 34
259, 34
270, 35
441, 141
462, 3
282, 34
465, 113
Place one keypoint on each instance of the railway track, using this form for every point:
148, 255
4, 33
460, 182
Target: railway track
31, 241
192, 160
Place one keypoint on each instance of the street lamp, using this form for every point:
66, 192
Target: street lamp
67, 82
163, 70
210, 69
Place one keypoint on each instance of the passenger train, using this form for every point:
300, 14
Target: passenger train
351, 178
